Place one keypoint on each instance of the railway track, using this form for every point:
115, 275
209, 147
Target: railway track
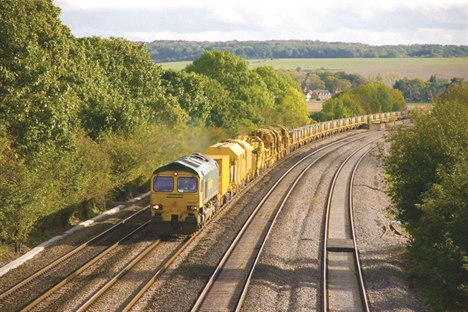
124, 288
28, 293
101, 298
227, 287
131, 282
136, 299
343, 287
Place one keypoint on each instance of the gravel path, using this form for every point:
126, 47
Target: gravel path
381, 249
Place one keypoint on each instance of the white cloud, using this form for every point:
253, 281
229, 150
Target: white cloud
227, 14
91, 5
372, 22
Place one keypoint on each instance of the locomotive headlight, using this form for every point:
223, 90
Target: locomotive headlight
192, 208
157, 207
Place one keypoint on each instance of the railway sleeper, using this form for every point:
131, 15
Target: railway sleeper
340, 245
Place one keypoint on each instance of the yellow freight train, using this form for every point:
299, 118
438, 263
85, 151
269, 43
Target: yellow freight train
188, 191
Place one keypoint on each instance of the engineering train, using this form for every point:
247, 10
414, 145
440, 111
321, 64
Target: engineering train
187, 192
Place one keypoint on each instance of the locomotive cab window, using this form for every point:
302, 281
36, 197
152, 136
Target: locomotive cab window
187, 185
163, 184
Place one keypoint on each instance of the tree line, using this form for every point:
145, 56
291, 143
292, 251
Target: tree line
181, 50
413, 90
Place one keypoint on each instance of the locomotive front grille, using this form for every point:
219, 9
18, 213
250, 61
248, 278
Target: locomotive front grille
174, 219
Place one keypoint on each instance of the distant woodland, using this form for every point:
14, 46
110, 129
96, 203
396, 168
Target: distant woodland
180, 50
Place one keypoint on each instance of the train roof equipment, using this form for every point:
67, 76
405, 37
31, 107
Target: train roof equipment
196, 163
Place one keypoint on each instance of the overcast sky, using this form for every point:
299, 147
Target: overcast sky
373, 22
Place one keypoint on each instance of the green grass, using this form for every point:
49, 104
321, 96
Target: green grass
412, 68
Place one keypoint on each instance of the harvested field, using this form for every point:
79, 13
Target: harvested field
422, 68
314, 106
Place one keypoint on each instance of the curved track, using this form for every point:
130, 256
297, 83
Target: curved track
226, 289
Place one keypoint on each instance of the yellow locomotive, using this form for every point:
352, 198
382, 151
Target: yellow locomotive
188, 191
184, 194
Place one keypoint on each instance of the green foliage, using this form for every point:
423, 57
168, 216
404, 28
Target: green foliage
129, 92
370, 98
426, 171
229, 70
344, 105
65, 106
36, 102
135, 154
194, 92
238, 86
251, 98
38, 111
19, 209
291, 111
417, 90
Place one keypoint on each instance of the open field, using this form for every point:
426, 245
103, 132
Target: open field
314, 106
412, 68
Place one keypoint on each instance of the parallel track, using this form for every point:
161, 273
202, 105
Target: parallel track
227, 287
32, 287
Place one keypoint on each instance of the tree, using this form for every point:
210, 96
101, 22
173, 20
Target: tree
341, 106
190, 89
391, 77
292, 111
229, 70
312, 82
37, 103
19, 209
129, 92
426, 170
374, 97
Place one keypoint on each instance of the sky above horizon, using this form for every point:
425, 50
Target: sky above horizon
370, 22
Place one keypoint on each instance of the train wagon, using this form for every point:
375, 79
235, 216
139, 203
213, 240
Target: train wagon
259, 153
184, 194
271, 144
248, 157
224, 183
238, 163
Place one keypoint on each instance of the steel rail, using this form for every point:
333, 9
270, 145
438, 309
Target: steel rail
151, 281
363, 295
361, 283
119, 275
41, 298
66, 256
156, 275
